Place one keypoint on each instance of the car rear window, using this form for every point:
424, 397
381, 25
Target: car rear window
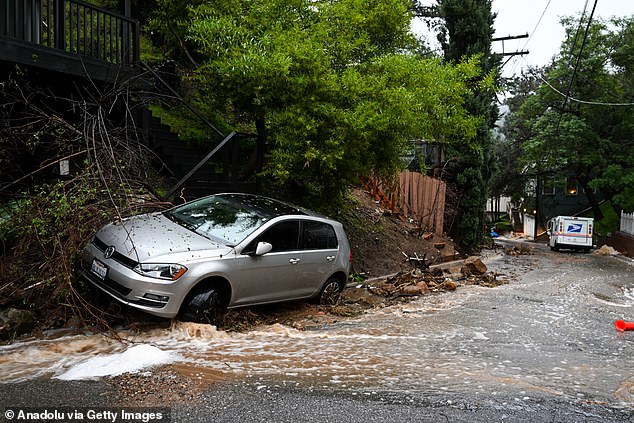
318, 236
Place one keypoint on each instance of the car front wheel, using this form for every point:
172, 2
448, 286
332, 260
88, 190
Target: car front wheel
330, 293
203, 306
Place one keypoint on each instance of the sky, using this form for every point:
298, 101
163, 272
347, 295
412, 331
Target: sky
519, 17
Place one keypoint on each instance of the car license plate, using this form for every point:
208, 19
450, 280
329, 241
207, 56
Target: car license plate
99, 269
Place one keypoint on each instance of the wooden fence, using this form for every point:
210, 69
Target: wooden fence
414, 196
627, 223
422, 198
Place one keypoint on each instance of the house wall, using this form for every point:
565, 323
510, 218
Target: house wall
559, 196
529, 225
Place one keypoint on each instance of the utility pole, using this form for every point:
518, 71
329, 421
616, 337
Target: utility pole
511, 37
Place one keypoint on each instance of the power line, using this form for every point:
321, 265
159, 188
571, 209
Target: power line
593, 103
537, 24
583, 44
533, 31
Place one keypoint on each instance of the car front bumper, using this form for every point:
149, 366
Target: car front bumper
158, 297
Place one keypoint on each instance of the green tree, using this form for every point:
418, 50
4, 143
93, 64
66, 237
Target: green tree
581, 118
468, 30
328, 87
513, 173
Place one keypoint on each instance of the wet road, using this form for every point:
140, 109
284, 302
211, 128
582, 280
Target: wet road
542, 347
550, 331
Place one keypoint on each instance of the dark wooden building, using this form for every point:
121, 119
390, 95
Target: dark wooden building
72, 46
70, 37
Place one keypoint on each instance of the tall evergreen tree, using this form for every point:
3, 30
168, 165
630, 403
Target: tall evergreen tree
468, 30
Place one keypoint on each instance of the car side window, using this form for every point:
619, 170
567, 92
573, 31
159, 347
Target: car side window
318, 236
283, 236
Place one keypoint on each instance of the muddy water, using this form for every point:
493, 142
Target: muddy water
549, 331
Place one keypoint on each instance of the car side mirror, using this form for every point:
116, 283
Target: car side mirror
262, 248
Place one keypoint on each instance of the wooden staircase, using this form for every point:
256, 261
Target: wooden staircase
225, 171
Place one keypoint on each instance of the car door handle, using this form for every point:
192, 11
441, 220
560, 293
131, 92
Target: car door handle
294, 261
330, 258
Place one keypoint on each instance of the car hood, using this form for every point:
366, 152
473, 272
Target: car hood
148, 236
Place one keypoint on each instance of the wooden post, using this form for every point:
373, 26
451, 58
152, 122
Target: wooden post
128, 54
60, 24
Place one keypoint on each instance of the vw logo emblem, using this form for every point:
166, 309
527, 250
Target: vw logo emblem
109, 252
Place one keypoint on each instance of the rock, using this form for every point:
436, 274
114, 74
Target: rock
411, 290
450, 285
473, 266
423, 286
14, 322
361, 296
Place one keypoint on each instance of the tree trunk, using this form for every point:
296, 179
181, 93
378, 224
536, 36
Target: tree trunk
594, 204
260, 128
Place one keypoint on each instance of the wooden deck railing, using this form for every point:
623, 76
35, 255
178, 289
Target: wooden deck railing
72, 26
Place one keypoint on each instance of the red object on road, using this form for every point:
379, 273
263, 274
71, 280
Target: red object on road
620, 325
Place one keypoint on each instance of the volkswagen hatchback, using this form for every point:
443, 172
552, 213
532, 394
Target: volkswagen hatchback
218, 252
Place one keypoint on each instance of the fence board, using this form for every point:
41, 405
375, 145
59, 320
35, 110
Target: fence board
423, 199
627, 223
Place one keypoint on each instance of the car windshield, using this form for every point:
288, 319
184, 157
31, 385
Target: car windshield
229, 218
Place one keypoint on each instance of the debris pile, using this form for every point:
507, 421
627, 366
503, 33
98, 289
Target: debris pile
423, 280
606, 250
519, 250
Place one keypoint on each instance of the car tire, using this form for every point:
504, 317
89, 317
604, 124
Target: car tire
330, 292
203, 305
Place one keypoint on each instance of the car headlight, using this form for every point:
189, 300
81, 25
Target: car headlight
161, 271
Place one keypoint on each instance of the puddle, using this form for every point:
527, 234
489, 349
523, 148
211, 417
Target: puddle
626, 301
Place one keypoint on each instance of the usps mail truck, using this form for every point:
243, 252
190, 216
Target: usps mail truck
573, 233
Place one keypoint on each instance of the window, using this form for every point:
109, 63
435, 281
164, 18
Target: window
283, 237
572, 186
318, 236
548, 186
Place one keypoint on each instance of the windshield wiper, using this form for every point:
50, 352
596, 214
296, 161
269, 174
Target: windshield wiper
179, 220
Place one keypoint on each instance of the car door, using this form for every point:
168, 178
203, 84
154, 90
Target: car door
272, 276
320, 248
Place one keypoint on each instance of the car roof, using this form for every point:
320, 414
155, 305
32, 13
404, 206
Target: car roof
269, 206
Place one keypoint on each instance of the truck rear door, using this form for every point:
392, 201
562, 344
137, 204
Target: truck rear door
576, 232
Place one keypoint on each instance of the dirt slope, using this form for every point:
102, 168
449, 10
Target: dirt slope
380, 241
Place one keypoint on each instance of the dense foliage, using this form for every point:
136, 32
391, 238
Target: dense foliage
577, 115
331, 89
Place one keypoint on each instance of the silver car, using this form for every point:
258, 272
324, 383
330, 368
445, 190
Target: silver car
218, 252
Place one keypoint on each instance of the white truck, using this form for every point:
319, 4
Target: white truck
569, 232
